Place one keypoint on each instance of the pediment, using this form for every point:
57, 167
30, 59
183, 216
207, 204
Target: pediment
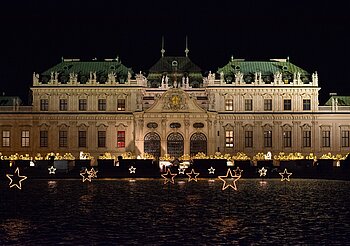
175, 101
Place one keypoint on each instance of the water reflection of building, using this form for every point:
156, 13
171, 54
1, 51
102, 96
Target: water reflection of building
245, 106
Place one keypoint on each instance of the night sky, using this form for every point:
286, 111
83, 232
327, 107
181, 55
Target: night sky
36, 34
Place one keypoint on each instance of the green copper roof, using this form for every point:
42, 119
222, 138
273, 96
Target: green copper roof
165, 64
265, 67
342, 100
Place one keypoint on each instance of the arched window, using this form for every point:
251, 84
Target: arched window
198, 143
175, 145
152, 144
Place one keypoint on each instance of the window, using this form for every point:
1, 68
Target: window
306, 104
287, 139
63, 104
229, 104
101, 138
82, 104
102, 104
5, 138
44, 104
248, 104
44, 136
63, 138
306, 138
82, 139
287, 104
229, 139
25, 139
326, 138
121, 139
267, 104
121, 104
345, 140
267, 138
248, 139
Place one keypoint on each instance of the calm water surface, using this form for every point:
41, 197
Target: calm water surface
146, 212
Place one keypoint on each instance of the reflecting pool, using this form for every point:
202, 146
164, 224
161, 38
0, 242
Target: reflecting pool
147, 212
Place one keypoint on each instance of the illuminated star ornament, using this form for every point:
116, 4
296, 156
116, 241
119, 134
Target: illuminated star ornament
181, 170
262, 172
285, 175
16, 179
86, 175
132, 169
192, 176
238, 172
211, 170
93, 173
52, 170
169, 177
229, 180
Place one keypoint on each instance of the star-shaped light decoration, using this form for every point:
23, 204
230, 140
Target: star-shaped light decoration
93, 173
192, 176
262, 172
169, 177
181, 170
52, 170
238, 172
211, 170
132, 169
229, 180
86, 175
285, 175
16, 179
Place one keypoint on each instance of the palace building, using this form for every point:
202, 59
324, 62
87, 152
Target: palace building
176, 109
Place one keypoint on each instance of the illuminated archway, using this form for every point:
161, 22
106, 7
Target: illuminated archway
175, 145
152, 144
198, 143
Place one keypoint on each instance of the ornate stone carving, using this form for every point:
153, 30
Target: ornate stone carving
175, 101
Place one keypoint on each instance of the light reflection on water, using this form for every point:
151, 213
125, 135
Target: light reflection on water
148, 212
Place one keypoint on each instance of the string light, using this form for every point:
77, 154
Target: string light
93, 173
52, 170
181, 170
169, 177
17, 177
86, 175
238, 172
192, 176
285, 175
231, 178
262, 172
132, 169
211, 170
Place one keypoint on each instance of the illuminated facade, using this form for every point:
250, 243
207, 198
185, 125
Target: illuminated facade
245, 106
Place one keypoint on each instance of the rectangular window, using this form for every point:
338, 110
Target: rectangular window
82, 138
228, 104
287, 139
121, 139
82, 104
267, 104
44, 104
345, 140
326, 138
63, 104
5, 138
306, 138
101, 141
44, 139
248, 104
267, 138
63, 138
248, 139
306, 104
121, 104
25, 139
229, 139
287, 104
102, 104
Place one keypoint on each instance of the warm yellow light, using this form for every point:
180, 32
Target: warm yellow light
16, 176
285, 175
181, 170
86, 175
169, 177
211, 170
262, 172
232, 180
132, 169
192, 176
238, 172
92, 173
52, 170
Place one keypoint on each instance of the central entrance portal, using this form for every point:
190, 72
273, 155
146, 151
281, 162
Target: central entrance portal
175, 145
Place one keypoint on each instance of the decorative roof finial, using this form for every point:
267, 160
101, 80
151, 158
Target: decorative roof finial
162, 50
186, 50
232, 58
287, 58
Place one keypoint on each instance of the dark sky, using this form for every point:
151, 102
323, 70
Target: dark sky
36, 34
